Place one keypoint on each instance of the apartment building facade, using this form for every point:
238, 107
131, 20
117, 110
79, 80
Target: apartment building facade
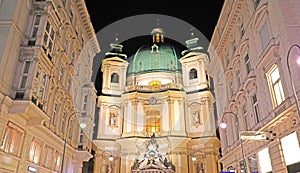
46, 94
253, 49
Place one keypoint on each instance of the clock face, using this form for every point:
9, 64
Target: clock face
152, 100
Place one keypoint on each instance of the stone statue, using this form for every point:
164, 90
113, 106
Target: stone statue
113, 118
196, 118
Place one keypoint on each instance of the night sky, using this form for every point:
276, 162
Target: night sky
203, 15
132, 23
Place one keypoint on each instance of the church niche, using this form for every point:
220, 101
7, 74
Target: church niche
113, 118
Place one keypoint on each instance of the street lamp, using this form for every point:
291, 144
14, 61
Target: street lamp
194, 158
223, 125
65, 140
292, 83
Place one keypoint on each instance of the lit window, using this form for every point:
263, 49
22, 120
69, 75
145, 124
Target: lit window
57, 161
290, 148
153, 83
153, 121
264, 161
40, 82
49, 157
35, 151
275, 86
114, 78
193, 74
12, 139
247, 63
255, 108
24, 74
264, 35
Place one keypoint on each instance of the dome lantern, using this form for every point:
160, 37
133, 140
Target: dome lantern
157, 34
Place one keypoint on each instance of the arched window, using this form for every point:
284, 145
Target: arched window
193, 74
114, 78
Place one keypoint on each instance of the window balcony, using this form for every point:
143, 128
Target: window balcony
28, 111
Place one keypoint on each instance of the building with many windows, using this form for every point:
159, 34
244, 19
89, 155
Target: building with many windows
46, 54
156, 110
253, 50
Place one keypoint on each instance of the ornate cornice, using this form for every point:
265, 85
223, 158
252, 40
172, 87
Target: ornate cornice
86, 22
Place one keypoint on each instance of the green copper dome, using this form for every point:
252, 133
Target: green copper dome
161, 57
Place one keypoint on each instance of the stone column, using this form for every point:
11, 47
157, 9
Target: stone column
171, 114
211, 162
134, 116
102, 121
181, 117
98, 161
5, 103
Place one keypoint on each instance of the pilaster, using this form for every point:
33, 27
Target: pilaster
25, 150
276, 156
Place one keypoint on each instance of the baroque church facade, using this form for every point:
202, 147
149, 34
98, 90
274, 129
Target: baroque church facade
156, 110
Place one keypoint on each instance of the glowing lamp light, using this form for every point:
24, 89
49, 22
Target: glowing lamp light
193, 158
111, 158
31, 169
83, 125
223, 125
298, 60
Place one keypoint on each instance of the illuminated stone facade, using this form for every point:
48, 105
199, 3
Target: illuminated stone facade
46, 54
156, 92
249, 52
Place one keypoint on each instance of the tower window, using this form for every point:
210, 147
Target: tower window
114, 78
193, 74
